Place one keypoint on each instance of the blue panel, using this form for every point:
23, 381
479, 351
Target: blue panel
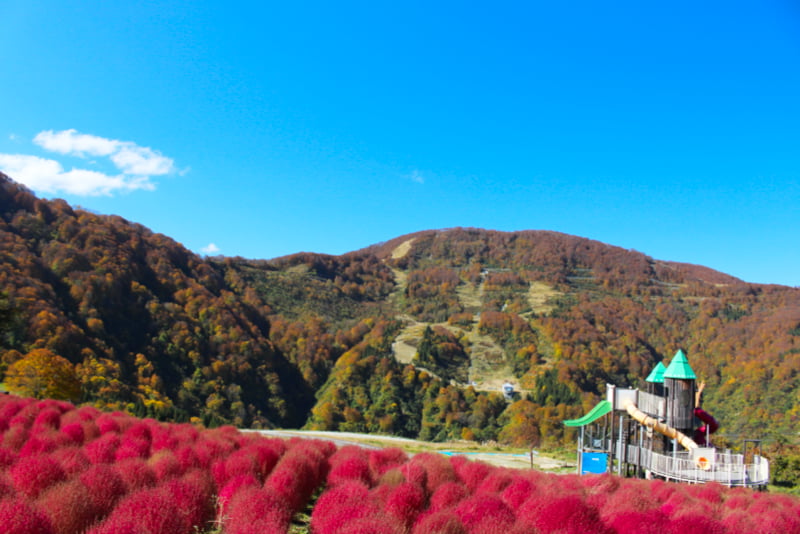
593, 462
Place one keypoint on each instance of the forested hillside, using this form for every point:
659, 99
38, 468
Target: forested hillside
410, 337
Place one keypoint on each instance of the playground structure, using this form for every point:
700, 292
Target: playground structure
647, 434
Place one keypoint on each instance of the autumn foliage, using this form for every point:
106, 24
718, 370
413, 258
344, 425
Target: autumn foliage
100, 310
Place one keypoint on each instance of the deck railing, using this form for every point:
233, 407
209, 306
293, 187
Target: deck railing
726, 468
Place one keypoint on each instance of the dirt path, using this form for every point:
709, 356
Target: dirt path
487, 454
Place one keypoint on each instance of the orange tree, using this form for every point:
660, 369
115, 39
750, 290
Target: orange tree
43, 374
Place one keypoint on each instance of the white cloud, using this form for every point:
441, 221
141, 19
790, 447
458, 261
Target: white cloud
75, 144
143, 161
211, 248
49, 176
416, 176
136, 165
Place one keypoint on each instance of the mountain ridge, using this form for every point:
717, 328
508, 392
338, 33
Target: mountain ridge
307, 339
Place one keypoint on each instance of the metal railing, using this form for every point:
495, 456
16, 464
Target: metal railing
726, 468
652, 405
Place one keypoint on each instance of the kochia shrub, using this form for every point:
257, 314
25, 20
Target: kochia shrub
652, 521
68, 507
136, 474
568, 514
483, 513
496, 482
110, 422
104, 487
444, 522
371, 525
47, 419
74, 432
44, 441
438, 470
383, 460
193, 495
348, 464
150, 511
517, 492
404, 503
231, 488
32, 475
19, 517
472, 474
257, 510
347, 502
7, 457
71, 459
448, 495
103, 450
132, 447
294, 480
164, 465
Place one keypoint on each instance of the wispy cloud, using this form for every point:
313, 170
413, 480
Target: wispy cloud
209, 249
416, 176
137, 165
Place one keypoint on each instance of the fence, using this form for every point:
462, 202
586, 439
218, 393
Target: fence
725, 468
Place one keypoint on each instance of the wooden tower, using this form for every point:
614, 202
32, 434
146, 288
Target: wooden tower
655, 380
679, 388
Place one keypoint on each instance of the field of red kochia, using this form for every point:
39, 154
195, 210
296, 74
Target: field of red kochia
68, 470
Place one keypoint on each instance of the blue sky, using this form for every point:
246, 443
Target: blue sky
271, 128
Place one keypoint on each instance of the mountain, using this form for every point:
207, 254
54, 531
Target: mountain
413, 336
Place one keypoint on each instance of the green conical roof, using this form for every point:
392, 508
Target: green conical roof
679, 368
657, 374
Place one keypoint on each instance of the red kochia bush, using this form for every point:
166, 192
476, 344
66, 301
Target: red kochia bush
165, 465
294, 480
383, 460
103, 449
567, 514
257, 510
652, 521
350, 463
438, 470
71, 459
517, 492
231, 488
15, 437
340, 505
404, 503
193, 495
110, 422
448, 495
34, 474
485, 514
69, 507
150, 511
74, 432
136, 474
445, 522
19, 517
256, 459
371, 525
104, 487
44, 441
471, 473
7, 457
496, 482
